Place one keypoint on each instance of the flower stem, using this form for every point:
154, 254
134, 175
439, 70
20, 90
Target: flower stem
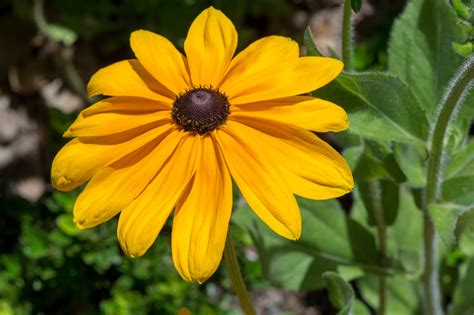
238, 283
375, 192
62, 58
446, 111
347, 35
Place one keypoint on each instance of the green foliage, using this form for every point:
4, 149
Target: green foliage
462, 303
61, 34
402, 297
374, 99
391, 114
54, 256
462, 10
311, 49
373, 160
420, 54
445, 218
389, 197
356, 5
345, 243
340, 292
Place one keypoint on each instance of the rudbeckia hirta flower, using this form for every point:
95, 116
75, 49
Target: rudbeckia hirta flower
175, 130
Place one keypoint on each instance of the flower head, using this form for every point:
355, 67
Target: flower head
175, 130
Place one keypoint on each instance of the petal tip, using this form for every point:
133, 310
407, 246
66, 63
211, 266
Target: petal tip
199, 279
295, 235
79, 224
60, 182
133, 249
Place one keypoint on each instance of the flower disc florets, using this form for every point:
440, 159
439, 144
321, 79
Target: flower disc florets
200, 110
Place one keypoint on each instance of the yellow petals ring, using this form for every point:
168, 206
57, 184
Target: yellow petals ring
175, 130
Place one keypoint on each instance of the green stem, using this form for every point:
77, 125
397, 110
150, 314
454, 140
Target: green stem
375, 192
438, 137
347, 35
238, 283
65, 62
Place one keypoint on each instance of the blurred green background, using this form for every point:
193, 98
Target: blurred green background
49, 49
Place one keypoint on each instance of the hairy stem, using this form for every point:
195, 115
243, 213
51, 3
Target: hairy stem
446, 111
375, 192
347, 35
238, 283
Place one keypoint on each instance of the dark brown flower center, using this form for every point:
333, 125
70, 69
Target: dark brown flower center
200, 110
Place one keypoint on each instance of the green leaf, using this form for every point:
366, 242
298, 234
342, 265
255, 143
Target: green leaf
463, 302
62, 34
462, 163
384, 153
341, 293
420, 53
412, 160
464, 49
461, 9
66, 224
404, 237
420, 49
329, 239
389, 194
311, 49
408, 55
364, 166
34, 242
360, 308
373, 160
465, 222
458, 190
401, 298
465, 232
356, 5
445, 218
380, 106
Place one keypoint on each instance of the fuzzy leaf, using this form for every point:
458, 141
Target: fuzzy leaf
389, 194
406, 232
445, 218
341, 293
458, 190
380, 106
421, 54
421, 39
329, 240
402, 296
462, 163
365, 166
412, 160
311, 49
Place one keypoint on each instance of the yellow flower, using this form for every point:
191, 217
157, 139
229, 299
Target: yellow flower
176, 129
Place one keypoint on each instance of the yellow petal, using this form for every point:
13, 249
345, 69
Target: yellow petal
311, 167
110, 123
260, 181
125, 104
127, 78
311, 113
141, 221
161, 59
209, 46
262, 54
81, 158
116, 185
284, 79
202, 217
